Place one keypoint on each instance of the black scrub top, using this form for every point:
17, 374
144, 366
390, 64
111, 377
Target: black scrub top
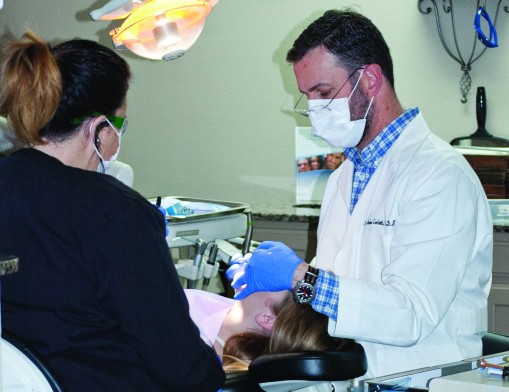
96, 295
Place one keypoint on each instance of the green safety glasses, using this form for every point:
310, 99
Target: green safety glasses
120, 123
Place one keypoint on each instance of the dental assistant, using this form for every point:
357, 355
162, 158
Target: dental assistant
96, 297
404, 254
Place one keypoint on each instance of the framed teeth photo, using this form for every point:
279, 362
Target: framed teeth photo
315, 160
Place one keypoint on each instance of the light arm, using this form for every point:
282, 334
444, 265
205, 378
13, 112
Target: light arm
115, 9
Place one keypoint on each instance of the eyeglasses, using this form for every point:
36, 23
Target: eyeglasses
305, 112
120, 123
492, 41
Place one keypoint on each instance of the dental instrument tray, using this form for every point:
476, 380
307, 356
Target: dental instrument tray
199, 209
189, 219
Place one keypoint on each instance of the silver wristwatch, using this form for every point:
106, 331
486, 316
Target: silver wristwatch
305, 292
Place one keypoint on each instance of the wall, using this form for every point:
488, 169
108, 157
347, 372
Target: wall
218, 122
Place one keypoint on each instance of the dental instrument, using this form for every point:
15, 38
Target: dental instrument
211, 267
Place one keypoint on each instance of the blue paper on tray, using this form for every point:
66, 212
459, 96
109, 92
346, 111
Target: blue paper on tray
176, 207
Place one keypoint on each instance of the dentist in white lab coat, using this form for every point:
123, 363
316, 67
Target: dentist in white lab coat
404, 256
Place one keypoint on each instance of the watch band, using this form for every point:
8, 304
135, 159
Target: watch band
305, 292
311, 275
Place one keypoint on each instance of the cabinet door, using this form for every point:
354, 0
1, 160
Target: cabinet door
498, 309
300, 236
501, 258
498, 301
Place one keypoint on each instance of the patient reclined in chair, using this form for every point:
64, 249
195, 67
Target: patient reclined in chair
298, 353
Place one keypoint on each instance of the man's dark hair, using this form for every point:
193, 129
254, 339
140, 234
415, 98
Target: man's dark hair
350, 36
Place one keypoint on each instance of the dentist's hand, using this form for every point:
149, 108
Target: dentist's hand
238, 264
271, 268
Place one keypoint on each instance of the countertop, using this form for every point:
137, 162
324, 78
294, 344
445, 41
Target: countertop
286, 213
311, 213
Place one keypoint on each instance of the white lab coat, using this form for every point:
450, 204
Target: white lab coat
414, 258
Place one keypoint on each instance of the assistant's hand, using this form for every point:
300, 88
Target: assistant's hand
163, 212
270, 268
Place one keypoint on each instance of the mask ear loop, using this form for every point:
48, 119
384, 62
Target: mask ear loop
354, 87
95, 138
369, 107
96, 143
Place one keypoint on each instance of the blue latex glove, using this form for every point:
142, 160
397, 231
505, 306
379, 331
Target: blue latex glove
270, 268
238, 264
163, 211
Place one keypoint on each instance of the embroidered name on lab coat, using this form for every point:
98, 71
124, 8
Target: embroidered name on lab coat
380, 222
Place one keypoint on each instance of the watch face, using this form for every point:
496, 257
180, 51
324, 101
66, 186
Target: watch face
304, 292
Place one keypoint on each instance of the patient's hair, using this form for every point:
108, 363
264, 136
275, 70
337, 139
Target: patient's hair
297, 328
242, 348
300, 328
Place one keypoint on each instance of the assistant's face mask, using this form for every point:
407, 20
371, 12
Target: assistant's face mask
106, 164
330, 120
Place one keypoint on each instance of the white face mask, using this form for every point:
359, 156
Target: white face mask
330, 121
106, 164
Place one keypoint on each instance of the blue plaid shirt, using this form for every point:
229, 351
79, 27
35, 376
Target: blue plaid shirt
366, 161
365, 164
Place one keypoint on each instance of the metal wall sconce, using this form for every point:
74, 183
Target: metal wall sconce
447, 9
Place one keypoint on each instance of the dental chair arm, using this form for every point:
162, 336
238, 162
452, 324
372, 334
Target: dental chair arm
240, 381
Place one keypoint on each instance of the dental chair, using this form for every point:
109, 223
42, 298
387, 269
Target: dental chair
303, 371
324, 371
22, 370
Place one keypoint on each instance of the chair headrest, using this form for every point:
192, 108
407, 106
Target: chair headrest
311, 365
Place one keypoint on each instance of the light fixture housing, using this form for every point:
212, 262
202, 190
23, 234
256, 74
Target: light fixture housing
157, 29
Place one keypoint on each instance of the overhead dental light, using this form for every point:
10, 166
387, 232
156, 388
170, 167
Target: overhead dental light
156, 29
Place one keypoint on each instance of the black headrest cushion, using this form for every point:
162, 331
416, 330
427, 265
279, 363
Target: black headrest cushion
311, 365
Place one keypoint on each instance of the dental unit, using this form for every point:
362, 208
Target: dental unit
202, 234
